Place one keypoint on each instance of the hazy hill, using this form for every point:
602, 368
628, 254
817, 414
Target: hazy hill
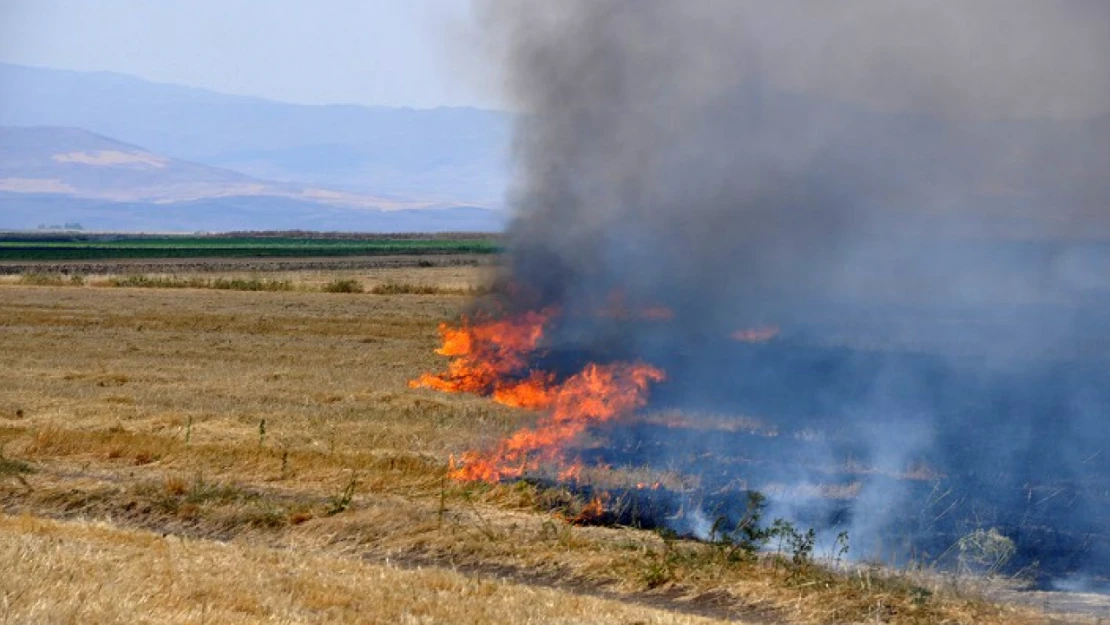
76, 162
51, 175
72, 161
1019, 178
451, 155
21, 211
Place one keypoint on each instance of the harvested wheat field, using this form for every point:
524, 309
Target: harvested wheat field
184, 452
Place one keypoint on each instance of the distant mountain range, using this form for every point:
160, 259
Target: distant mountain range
51, 175
115, 152
450, 155
130, 154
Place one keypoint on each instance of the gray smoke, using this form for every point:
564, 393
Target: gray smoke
915, 192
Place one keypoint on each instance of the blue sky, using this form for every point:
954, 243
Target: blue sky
374, 52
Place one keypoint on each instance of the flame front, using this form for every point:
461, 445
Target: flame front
485, 355
492, 359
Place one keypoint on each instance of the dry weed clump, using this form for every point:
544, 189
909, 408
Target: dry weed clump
195, 282
113, 443
409, 288
51, 279
343, 285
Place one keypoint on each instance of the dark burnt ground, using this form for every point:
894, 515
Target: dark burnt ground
910, 450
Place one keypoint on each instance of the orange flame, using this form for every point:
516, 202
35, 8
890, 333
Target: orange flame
485, 354
534, 393
591, 512
573, 472
489, 358
755, 335
597, 394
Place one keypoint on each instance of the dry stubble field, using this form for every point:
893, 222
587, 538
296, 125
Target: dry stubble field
197, 455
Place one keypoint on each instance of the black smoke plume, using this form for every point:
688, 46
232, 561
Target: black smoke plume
916, 193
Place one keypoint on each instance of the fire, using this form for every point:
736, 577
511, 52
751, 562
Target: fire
755, 335
571, 473
597, 394
591, 512
491, 358
533, 393
486, 354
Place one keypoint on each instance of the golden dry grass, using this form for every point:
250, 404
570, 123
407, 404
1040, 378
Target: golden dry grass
281, 423
80, 572
445, 280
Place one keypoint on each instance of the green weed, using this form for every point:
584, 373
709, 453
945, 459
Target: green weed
343, 285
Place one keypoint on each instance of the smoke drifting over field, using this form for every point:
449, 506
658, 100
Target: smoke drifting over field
913, 192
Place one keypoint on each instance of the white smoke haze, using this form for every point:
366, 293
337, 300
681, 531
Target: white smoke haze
915, 192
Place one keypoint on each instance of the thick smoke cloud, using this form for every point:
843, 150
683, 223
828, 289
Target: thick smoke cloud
914, 192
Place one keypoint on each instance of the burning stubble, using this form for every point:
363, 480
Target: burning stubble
882, 230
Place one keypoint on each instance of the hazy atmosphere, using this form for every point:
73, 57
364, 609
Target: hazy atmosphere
216, 116
574, 311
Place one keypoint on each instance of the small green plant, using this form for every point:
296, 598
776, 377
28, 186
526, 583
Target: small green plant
661, 567
748, 536
656, 573
798, 543
839, 548
752, 535
343, 285
340, 502
15, 468
801, 546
